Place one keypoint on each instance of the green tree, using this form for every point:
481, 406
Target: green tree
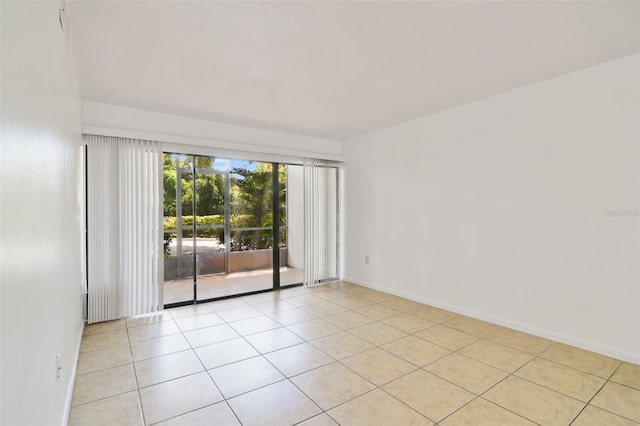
251, 199
169, 185
253, 192
210, 194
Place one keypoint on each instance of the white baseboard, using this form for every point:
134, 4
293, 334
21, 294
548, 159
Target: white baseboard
72, 380
505, 322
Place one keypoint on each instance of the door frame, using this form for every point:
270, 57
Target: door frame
275, 227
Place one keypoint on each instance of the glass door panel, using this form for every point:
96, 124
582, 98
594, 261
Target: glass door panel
178, 233
221, 234
291, 225
178, 268
211, 217
251, 226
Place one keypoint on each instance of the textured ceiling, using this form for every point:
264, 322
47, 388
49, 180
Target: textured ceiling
334, 69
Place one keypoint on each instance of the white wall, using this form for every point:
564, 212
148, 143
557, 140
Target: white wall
40, 168
113, 120
499, 209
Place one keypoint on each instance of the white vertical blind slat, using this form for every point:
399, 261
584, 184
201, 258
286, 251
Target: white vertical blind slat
125, 217
159, 242
320, 222
157, 229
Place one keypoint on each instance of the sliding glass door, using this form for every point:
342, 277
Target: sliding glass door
292, 226
225, 227
179, 244
209, 197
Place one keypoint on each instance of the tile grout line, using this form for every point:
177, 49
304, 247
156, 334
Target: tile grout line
288, 379
340, 361
596, 394
104, 369
376, 387
417, 368
192, 374
480, 396
135, 372
476, 396
224, 400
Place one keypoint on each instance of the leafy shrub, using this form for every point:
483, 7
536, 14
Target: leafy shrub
242, 240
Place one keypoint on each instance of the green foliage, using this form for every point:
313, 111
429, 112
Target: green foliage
253, 195
251, 199
251, 240
167, 244
210, 195
253, 190
169, 184
209, 187
187, 226
187, 221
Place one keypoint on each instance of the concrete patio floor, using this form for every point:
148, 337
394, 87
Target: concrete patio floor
221, 285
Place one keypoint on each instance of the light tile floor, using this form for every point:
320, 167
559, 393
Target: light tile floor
339, 354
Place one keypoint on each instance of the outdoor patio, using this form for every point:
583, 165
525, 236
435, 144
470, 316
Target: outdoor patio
221, 285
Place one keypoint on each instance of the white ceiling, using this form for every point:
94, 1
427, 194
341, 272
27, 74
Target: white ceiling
334, 69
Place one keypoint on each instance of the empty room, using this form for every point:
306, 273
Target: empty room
320, 213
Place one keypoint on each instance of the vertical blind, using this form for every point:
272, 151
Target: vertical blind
124, 189
320, 221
